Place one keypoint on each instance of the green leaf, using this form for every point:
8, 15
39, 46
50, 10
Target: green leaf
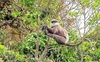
95, 4
85, 2
16, 13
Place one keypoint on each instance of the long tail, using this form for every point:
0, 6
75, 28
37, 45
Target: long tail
74, 44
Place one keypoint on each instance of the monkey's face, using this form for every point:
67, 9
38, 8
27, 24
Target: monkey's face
54, 22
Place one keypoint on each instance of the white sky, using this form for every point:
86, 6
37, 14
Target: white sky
80, 18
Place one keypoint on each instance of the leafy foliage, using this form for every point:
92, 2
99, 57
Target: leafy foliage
75, 16
9, 55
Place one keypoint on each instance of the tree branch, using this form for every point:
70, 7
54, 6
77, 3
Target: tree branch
45, 50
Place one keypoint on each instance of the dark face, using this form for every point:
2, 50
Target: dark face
54, 21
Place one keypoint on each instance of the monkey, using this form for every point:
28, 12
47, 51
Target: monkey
58, 33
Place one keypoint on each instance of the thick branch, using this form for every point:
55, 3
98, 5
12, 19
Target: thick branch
45, 50
37, 47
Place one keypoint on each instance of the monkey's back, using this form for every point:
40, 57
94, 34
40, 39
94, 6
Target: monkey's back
61, 31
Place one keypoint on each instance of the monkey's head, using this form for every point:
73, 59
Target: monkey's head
54, 22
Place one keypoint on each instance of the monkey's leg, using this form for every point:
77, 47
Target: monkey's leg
59, 39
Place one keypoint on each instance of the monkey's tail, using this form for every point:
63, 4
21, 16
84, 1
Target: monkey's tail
74, 44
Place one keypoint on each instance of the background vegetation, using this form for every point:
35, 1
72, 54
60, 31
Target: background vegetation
22, 40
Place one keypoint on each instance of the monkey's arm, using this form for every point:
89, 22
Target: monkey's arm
50, 30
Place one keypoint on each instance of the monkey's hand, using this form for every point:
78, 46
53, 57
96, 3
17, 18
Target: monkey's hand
44, 29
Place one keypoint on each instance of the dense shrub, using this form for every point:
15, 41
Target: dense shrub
10, 55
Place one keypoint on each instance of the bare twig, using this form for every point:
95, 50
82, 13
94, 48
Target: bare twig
20, 8
4, 23
90, 43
